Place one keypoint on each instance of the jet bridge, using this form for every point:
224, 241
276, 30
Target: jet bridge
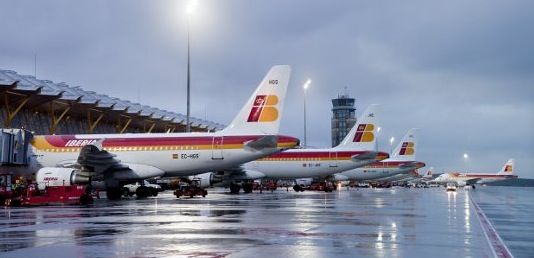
14, 145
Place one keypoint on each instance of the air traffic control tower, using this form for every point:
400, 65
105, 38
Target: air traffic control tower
343, 117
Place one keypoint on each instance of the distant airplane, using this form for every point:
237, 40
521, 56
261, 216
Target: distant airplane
462, 179
356, 150
113, 160
402, 162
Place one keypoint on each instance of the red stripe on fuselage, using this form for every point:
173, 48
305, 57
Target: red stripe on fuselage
62, 140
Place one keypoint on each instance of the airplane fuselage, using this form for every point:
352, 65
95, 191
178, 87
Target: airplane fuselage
480, 178
302, 163
381, 169
150, 155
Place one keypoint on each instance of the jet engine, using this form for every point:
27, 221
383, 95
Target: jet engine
205, 180
338, 177
51, 176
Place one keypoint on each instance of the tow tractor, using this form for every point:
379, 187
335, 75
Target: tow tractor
191, 189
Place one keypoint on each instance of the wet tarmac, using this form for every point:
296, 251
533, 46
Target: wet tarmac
365, 222
510, 211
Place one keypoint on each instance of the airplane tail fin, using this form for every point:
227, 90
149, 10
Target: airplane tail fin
363, 135
262, 112
508, 168
405, 151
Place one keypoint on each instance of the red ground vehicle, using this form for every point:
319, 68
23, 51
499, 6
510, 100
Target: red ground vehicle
191, 189
23, 194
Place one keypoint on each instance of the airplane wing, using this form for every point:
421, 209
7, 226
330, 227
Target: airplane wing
239, 173
93, 160
472, 181
368, 155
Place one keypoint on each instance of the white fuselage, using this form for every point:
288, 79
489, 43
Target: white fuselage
303, 163
150, 155
377, 170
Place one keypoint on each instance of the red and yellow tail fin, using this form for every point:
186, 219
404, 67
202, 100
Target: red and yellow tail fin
262, 112
508, 168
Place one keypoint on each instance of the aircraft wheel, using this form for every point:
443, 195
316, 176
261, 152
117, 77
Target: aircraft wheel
154, 192
234, 188
247, 187
142, 192
114, 193
86, 199
298, 188
125, 192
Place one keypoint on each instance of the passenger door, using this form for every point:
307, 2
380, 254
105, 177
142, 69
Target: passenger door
333, 159
217, 148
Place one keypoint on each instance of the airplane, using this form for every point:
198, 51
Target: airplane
463, 179
109, 161
356, 150
419, 177
402, 162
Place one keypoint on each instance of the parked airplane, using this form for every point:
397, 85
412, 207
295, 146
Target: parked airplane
462, 179
356, 150
117, 159
403, 161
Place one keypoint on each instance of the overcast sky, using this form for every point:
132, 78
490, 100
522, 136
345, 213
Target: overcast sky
460, 71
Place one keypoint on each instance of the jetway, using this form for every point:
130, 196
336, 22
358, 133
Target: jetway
14, 145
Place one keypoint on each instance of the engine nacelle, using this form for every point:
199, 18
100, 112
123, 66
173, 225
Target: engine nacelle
206, 179
51, 176
338, 177
304, 181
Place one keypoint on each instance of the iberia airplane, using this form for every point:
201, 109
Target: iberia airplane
117, 159
462, 179
403, 161
356, 150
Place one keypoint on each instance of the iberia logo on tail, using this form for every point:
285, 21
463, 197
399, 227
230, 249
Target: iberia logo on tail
364, 133
508, 168
264, 109
407, 148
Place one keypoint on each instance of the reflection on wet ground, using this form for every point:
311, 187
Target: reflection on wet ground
510, 211
364, 222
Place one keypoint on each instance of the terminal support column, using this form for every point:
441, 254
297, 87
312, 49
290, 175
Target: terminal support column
56, 120
11, 114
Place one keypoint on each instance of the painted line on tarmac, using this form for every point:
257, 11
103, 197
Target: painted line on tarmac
498, 247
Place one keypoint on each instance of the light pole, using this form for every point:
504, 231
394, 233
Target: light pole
305, 87
190, 9
466, 158
391, 140
376, 137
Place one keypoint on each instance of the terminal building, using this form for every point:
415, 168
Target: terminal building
343, 117
46, 107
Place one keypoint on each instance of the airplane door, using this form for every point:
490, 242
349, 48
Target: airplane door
217, 148
333, 159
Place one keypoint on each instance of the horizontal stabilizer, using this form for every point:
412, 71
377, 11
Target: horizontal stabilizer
365, 156
265, 142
